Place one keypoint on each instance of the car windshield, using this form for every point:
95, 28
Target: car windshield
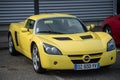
59, 26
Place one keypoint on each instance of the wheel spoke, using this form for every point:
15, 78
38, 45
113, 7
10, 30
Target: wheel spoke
10, 45
108, 30
35, 58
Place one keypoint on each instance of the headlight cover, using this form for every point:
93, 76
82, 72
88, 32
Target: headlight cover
51, 49
111, 45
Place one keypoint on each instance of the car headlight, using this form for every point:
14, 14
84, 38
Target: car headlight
111, 45
51, 49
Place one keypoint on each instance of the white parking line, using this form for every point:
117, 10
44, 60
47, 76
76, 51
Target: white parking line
58, 77
118, 50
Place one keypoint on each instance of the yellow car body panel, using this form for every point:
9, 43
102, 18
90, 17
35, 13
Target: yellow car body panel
74, 49
64, 61
43, 16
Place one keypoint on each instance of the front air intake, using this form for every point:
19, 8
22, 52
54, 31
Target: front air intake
86, 37
62, 38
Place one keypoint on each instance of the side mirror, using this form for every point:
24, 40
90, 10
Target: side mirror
24, 29
91, 27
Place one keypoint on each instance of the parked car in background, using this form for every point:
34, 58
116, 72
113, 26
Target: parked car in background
111, 25
61, 42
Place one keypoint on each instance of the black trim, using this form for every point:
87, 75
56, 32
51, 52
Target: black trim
81, 61
16, 38
86, 37
62, 38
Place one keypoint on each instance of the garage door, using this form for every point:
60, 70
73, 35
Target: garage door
87, 10
14, 11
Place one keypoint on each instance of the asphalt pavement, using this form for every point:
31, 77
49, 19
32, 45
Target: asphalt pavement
3, 39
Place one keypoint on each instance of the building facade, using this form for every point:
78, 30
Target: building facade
92, 11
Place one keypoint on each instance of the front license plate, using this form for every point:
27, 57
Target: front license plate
86, 66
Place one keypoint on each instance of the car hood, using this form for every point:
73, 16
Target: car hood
88, 42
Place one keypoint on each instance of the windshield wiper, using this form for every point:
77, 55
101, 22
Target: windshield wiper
50, 32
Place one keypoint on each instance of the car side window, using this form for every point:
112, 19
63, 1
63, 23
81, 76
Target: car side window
30, 24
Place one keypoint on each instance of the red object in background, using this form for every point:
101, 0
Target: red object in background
111, 25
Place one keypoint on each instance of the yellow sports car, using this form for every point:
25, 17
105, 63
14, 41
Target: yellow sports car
61, 42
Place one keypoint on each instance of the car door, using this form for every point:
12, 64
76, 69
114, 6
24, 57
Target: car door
25, 37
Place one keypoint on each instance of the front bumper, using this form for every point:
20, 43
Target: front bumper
66, 62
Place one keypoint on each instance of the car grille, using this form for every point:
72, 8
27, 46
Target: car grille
78, 59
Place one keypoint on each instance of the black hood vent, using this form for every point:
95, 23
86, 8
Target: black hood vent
62, 38
86, 37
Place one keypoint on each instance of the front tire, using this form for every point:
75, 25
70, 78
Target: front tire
11, 46
108, 30
36, 60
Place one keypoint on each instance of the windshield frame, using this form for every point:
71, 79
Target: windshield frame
82, 24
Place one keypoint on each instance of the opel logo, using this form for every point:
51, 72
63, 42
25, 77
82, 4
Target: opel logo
86, 58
